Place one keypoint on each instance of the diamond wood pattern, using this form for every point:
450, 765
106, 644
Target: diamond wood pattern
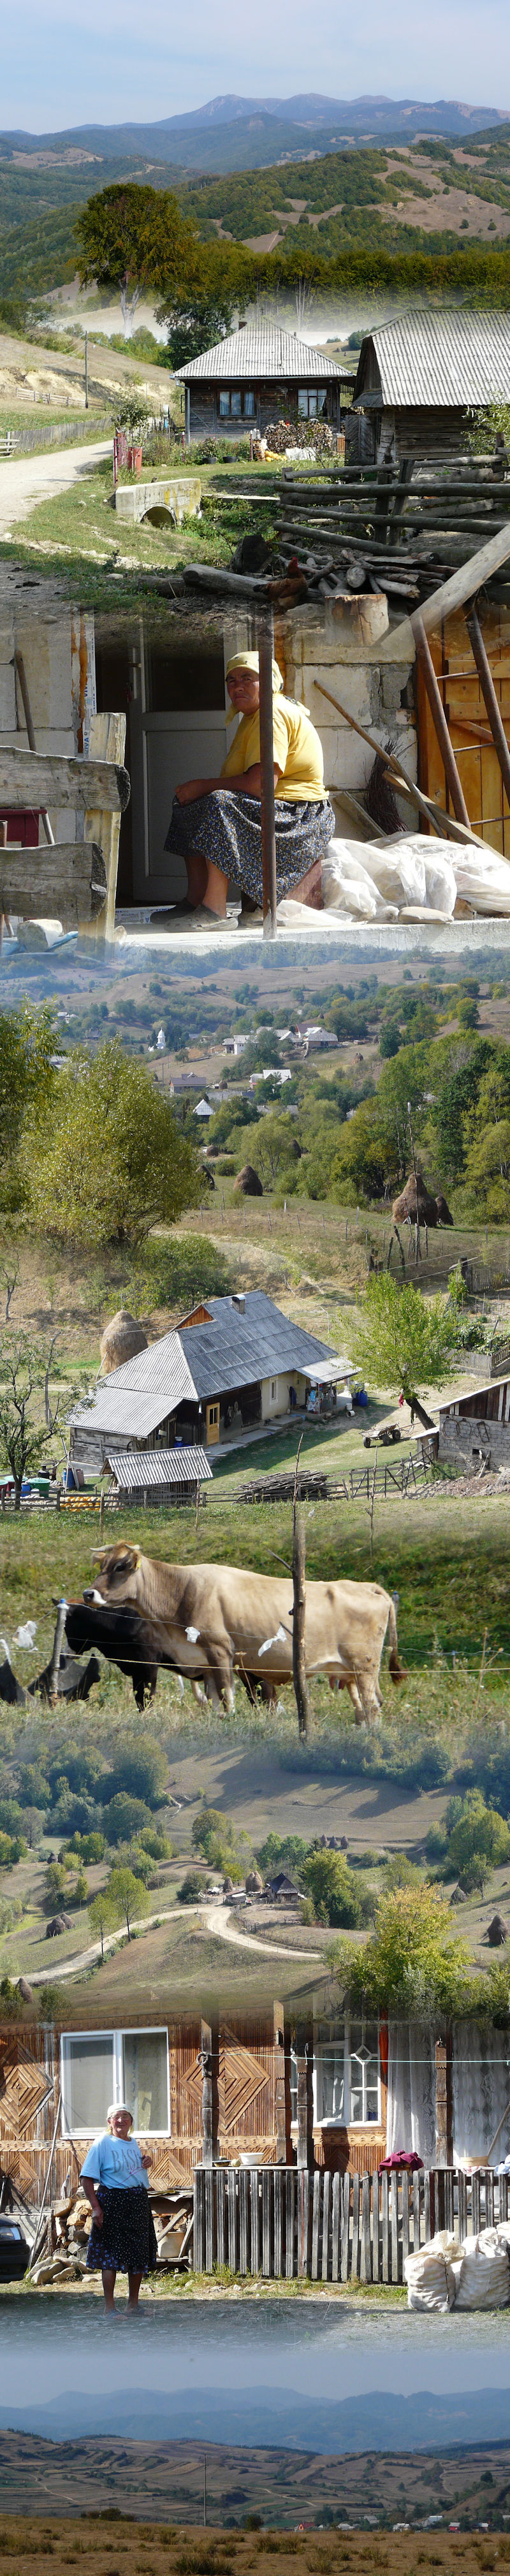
242, 2079
17, 2166
24, 2086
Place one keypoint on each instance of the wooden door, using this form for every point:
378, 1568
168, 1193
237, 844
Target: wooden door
468, 723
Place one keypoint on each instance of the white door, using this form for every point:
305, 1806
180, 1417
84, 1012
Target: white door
166, 749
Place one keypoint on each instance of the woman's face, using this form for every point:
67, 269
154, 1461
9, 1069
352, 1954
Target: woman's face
244, 691
120, 2124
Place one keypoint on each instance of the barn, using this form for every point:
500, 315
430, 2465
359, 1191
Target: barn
420, 380
258, 375
157, 1477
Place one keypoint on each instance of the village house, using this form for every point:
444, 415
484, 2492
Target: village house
421, 380
258, 375
336, 2095
473, 1430
232, 1364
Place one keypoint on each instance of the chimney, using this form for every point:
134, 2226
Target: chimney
238, 1302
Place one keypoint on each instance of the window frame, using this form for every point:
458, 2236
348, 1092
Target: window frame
321, 2047
117, 2033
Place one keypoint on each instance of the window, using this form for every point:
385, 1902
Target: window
346, 2077
224, 403
312, 402
249, 406
273, 1390
236, 405
235, 401
98, 2067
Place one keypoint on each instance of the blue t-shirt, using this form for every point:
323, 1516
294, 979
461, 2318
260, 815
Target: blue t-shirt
116, 2162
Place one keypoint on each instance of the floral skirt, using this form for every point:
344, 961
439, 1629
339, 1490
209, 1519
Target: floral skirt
226, 828
126, 2242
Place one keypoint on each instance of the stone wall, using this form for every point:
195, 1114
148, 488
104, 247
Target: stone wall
379, 695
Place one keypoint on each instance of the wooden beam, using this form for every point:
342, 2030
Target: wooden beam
19, 667
266, 647
107, 746
440, 724
452, 594
489, 696
67, 883
33, 780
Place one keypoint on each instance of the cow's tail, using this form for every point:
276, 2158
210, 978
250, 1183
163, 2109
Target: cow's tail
397, 1670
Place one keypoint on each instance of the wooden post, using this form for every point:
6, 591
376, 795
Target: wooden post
441, 2105
19, 667
57, 1650
279, 2081
266, 642
424, 657
490, 699
206, 2046
107, 743
301, 1692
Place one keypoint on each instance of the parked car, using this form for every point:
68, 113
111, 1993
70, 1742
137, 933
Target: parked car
14, 2251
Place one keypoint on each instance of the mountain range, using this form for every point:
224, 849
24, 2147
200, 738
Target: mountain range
282, 2418
231, 133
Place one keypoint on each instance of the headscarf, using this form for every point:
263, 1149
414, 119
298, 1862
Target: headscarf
114, 2107
250, 662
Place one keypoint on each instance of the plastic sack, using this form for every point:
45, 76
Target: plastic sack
483, 878
376, 878
428, 2275
484, 2279
347, 883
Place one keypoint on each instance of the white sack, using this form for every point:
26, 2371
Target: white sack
484, 2280
428, 2275
483, 878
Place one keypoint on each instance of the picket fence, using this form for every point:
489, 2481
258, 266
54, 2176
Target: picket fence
285, 2223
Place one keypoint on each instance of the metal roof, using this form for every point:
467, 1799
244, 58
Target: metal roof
136, 1468
256, 353
448, 359
237, 1346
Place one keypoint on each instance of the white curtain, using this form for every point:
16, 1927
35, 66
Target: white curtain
480, 2090
411, 2113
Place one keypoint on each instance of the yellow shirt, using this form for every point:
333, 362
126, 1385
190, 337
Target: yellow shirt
297, 751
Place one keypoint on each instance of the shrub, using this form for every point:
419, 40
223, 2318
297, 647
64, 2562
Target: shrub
192, 1888
331, 1887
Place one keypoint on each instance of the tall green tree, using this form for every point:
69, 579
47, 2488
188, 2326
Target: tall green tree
132, 241
412, 1962
403, 1339
114, 1161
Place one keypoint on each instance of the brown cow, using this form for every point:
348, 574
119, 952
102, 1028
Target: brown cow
222, 1619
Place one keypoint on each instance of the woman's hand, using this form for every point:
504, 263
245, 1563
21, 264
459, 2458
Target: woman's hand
97, 2213
191, 789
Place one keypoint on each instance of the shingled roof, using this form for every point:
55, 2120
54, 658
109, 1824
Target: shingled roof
259, 354
240, 1343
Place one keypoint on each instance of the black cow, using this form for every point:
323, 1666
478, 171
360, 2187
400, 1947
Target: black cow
124, 1636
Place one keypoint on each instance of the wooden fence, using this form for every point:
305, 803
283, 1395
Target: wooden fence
380, 1480
484, 1364
291, 2225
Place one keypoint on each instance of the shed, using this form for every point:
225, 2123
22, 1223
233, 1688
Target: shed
474, 1429
256, 375
157, 1476
420, 379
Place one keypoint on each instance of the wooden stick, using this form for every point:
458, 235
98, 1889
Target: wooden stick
63, 887
266, 646
35, 779
19, 667
449, 828
489, 696
30, 2265
440, 725
57, 1650
301, 1691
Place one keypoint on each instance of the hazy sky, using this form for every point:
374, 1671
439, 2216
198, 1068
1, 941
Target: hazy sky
115, 61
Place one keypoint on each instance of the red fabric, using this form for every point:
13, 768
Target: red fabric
22, 827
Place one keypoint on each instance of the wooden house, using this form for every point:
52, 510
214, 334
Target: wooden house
258, 375
230, 1365
422, 377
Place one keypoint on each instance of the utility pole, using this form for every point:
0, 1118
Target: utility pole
205, 2490
86, 371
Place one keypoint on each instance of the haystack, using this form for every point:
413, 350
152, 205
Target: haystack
248, 1182
121, 1340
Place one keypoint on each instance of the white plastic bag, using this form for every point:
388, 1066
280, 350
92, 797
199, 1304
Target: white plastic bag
484, 2279
428, 2275
483, 878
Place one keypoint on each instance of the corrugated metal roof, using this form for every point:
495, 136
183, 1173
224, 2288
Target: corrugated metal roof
236, 1348
250, 356
137, 1468
442, 359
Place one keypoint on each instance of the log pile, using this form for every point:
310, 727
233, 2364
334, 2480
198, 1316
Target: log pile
62, 2248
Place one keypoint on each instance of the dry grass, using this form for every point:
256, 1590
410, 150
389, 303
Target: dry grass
113, 2547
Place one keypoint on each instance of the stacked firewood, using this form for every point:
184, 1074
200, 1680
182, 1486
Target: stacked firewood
62, 2246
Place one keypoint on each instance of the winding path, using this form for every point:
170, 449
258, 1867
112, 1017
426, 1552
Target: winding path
26, 480
214, 1918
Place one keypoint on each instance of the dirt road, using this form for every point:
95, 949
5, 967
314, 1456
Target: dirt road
215, 1919
25, 480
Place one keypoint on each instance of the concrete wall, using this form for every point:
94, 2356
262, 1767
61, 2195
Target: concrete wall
463, 1441
316, 650
274, 1406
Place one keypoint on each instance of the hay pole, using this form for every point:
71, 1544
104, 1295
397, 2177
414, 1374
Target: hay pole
301, 1692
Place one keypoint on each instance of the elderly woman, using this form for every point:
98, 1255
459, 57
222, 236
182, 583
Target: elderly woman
122, 2236
216, 823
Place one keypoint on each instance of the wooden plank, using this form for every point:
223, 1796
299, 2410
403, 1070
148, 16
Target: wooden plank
345, 2257
326, 2207
303, 2223
448, 2199
221, 2233
290, 2224
278, 2222
405, 2218
376, 2241
336, 2221
452, 594
385, 2232
66, 883
209, 2220
416, 2212
475, 2203
426, 2207
244, 2211
489, 2200
355, 2256
365, 2269
232, 2218
107, 739
394, 2225
316, 2212
198, 2219
207, 2097
503, 2196
254, 2223
461, 2204
267, 2215
30, 780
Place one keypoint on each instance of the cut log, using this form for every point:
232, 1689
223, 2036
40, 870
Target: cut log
33, 780
67, 883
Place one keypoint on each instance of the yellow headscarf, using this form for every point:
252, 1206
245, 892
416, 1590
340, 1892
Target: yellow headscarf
250, 662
